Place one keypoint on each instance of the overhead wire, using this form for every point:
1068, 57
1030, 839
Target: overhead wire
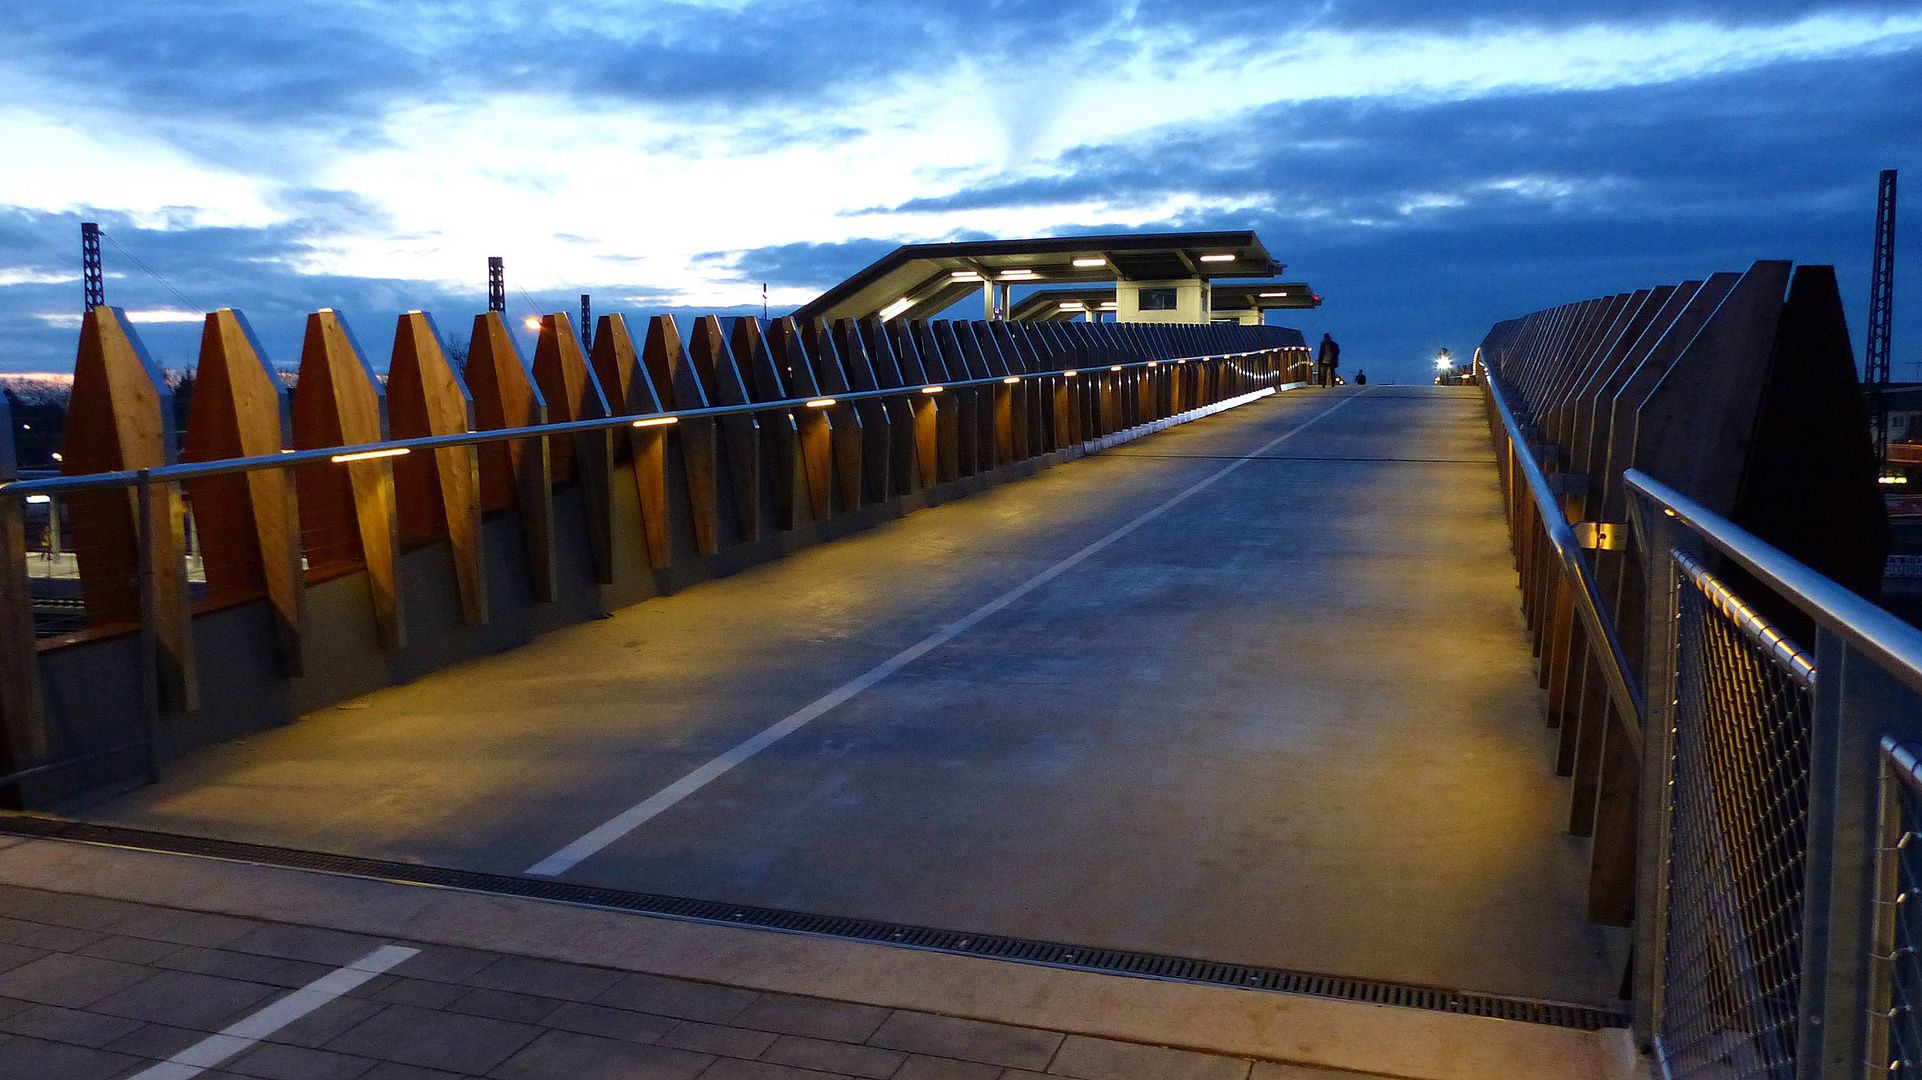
151, 272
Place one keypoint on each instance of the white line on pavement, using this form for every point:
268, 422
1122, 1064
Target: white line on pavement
244, 1033
632, 818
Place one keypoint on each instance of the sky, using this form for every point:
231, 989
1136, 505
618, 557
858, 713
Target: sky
1431, 168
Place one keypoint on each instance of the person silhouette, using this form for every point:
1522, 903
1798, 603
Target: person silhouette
1361, 377
1328, 359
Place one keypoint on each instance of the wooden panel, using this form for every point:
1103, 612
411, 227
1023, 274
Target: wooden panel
248, 524
871, 337
1010, 399
878, 418
573, 393
517, 473
674, 379
438, 493
780, 436
721, 378
22, 716
976, 446
926, 407
630, 392
821, 441
956, 423
120, 416
347, 513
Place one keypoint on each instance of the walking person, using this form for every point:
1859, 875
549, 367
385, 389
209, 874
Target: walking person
1361, 377
1328, 360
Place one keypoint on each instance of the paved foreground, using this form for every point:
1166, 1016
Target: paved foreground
119, 963
1256, 690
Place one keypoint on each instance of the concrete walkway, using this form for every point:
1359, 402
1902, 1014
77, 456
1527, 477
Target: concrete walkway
1290, 720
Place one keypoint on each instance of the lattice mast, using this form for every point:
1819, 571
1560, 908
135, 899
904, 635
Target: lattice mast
587, 325
90, 265
1881, 310
496, 285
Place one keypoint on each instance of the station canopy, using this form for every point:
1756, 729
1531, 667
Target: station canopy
1064, 305
917, 281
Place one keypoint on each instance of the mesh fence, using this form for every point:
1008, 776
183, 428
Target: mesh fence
1901, 1052
1739, 841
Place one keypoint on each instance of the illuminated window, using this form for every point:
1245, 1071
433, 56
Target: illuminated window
1157, 299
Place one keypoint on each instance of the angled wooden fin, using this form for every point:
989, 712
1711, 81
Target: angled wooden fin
248, 524
519, 472
572, 392
780, 434
630, 392
347, 509
674, 378
815, 427
121, 416
438, 492
721, 378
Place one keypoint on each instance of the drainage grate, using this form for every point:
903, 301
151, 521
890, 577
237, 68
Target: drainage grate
1108, 961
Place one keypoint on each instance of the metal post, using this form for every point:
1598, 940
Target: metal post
90, 265
496, 284
149, 622
587, 326
1660, 639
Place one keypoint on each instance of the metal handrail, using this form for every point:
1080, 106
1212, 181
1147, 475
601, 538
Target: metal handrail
285, 459
1893, 644
1588, 601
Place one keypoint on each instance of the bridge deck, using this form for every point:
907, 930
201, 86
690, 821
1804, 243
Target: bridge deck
1291, 720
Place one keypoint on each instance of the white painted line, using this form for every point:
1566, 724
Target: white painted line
244, 1033
632, 818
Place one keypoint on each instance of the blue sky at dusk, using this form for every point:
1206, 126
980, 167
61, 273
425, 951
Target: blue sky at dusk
1430, 167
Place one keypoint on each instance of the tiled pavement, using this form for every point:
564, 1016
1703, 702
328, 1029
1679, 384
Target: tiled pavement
95, 989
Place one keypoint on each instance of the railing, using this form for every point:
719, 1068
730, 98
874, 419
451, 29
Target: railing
1007, 417
1775, 792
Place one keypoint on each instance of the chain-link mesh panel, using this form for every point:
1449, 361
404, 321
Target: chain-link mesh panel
1901, 1027
1739, 840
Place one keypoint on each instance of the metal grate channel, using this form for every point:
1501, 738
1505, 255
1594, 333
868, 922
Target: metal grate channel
1739, 840
994, 946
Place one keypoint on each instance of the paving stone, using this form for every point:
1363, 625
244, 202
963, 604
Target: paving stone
12, 956
80, 912
678, 998
188, 927
427, 995
131, 950
969, 1040
10, 1006
41, 936
866, 1061
437, 1040
921, 1067
736, 1069
813, 1017
394, 1070
157, 1041
716, 1039
271, 970
444, 963
544, 978
613, 1023
327, 1023
503, 1005
333, 948
1105, 1059
73, 981
585, 1057
278, 1061
185, 999
17, 898
38, 1059
1275, 1070
68, 1025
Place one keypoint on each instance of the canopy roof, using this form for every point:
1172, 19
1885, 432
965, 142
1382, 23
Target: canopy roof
1045, 305
933, 277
